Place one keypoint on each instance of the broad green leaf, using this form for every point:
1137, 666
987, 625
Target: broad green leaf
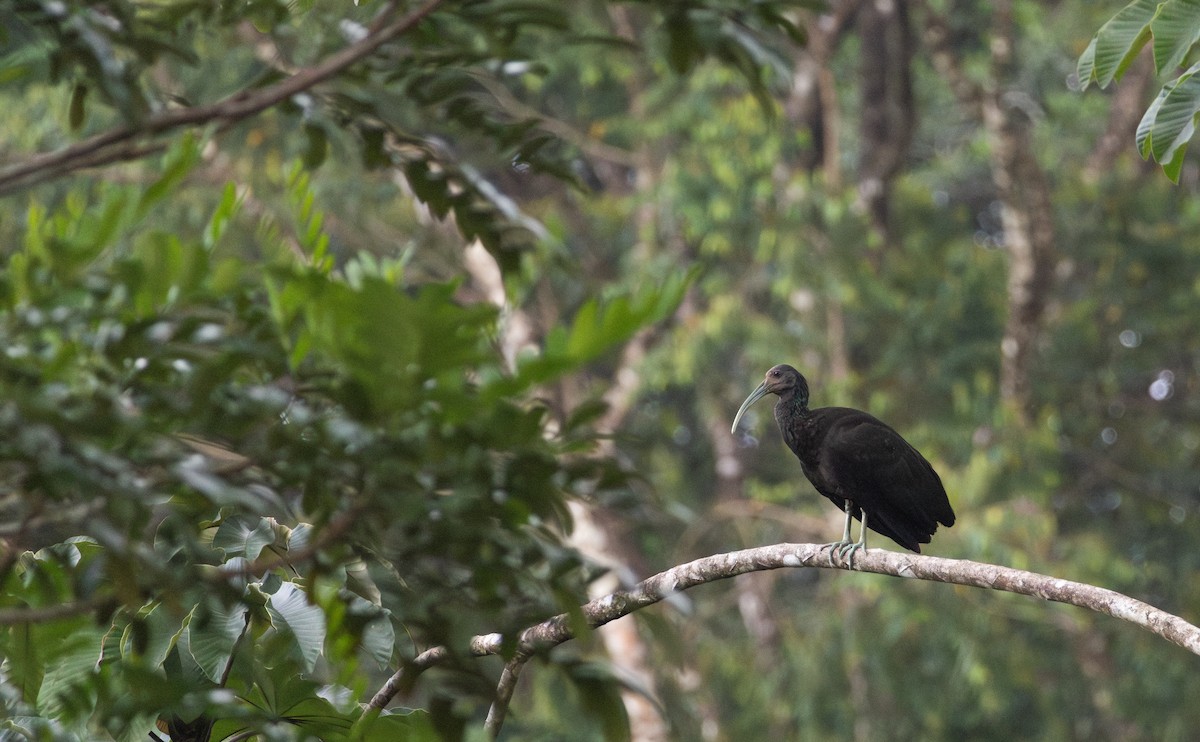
244, 536
1170, 122
360, 582
1175, 28
379, 641
291, 611
160, 631
276, 687
1175, 156
23, 665
300, 537
212, 632
1086, 66
1146, 125
1117, 43
63, 689
318, 718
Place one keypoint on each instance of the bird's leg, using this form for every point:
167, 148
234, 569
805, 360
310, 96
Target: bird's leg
847, 549
837, 546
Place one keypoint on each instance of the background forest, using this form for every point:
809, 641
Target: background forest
332, 333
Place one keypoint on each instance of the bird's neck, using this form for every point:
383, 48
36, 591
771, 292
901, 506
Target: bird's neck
793, 406
794, 420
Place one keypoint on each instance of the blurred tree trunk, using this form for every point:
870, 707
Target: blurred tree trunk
888, 114
1027, 217
812, 105
599, 538
753, 595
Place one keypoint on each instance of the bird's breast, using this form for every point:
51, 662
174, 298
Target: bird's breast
803, 434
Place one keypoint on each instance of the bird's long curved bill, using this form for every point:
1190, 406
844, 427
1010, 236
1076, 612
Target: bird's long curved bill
755, 395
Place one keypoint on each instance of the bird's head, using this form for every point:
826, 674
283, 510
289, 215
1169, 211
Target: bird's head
782, 380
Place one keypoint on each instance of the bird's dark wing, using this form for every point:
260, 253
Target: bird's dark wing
871, 465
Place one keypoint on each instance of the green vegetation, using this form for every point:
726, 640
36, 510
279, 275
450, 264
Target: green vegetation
330, 332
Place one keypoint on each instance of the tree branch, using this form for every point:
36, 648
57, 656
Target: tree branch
54, 612
125, 142
504, 692
556, 630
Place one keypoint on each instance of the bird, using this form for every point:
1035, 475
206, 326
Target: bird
862, 465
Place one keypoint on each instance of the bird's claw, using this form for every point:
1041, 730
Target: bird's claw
835, 547
844, 551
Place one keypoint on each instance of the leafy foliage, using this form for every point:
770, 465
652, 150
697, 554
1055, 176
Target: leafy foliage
267, 474
1172, 28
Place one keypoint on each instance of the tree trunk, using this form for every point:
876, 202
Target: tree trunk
813, 104
888, 114
1027, 216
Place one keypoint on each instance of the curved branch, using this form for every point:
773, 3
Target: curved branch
556, 630
125, 142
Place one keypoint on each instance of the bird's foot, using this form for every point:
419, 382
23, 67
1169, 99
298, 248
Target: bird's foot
844, 550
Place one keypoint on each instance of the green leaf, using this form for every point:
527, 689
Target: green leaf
225, 212
212, 633
177, 163
244, 536
379, 641
77, 113
1170, 122
23, 665
318, 718
300, 537
63, 688
277, 689
1117, 43
1146, 125
316, 147
1174, 165
161, 630
1175, 28
1085, 68
597, 327
291, 611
